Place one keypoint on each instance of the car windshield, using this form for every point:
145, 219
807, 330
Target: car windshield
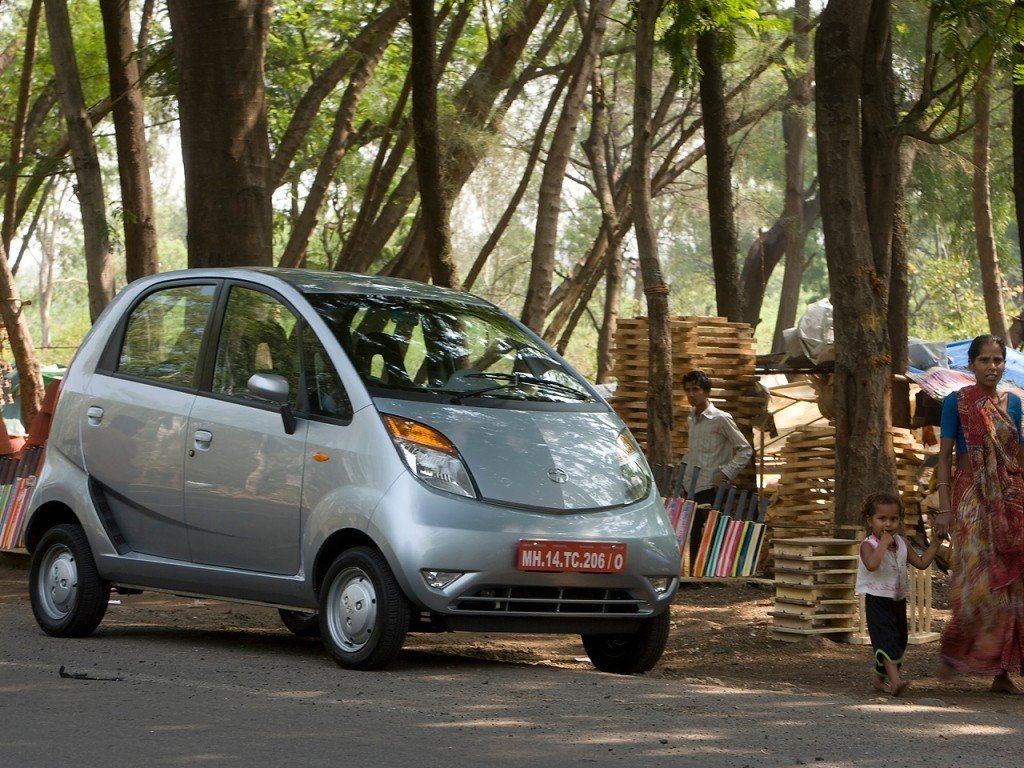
447, 348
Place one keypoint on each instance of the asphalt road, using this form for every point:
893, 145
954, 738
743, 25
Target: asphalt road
148, 690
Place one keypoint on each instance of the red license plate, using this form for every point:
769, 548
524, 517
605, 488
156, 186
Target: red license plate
574, 556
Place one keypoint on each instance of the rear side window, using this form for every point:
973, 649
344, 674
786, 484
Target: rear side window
163, 335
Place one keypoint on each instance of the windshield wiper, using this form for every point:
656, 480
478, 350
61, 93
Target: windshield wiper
514, 381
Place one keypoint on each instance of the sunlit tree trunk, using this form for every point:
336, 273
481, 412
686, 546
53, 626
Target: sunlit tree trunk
981, 196
794, 133
659, 371
20, 339
140, 249
549, 199
99, 271
719, 158
859, 282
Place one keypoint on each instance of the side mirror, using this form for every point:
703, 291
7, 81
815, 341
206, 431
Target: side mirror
271, 386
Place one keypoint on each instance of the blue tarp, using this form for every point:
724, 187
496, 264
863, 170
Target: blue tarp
957, 351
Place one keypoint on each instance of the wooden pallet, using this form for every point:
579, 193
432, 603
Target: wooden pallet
814, 588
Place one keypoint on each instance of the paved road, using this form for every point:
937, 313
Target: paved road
260, 697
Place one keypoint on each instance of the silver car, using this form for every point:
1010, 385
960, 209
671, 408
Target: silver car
370, 456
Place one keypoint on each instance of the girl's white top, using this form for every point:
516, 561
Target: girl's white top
890, 578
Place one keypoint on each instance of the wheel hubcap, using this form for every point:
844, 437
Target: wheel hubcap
58, 586
352, 609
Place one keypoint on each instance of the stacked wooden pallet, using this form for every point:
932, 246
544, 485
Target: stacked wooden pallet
804, 504
723, 350
814, 588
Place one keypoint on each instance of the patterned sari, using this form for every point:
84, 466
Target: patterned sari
986, 633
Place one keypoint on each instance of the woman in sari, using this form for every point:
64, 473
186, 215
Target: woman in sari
981, 506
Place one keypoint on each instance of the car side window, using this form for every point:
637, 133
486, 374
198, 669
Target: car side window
163, 335
257, 336
327, 396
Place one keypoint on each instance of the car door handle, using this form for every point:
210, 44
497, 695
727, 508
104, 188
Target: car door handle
94, 415
203, 438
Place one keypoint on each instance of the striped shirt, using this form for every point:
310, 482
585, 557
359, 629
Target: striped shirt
715, 445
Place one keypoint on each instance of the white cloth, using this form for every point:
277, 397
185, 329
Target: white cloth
890, 578
715, 445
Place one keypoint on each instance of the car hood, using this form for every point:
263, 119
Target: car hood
554, 460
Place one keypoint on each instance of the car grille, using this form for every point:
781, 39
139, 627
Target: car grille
549, 600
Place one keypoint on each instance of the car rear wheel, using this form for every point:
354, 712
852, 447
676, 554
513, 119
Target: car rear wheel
628, 654
364, 616
68, 596
301, 623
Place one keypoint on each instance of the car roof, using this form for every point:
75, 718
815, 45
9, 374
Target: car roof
324, 281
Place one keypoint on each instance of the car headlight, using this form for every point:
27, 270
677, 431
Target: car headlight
633, 467
430, 456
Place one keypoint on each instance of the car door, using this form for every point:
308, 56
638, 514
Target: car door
137, 408
243, 471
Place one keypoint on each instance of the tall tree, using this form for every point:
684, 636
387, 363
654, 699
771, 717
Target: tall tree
659, 368
549, 198
794, 134
20, 338
220, 48
130, 135
858, 277
99, 271
18, 126
719, 158
434, 203
991, 278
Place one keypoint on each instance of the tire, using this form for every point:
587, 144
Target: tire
68, 596
364, 615
631, 653
301, 623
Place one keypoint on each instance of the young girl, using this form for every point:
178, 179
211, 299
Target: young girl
882, 579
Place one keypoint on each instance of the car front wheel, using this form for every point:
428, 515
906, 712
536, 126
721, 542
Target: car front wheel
68, 596
364, 616
628, 654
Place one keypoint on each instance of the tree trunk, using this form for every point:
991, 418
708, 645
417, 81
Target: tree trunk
794, 134
765, 254
718, 155
659, 372
434, 203
991, 278
473, 104
338, 143
130, 135
18, 126
864, 455
549, 199
610, 322
362, 47
99, 272
220, 48
20, 338
899, 279
1018, 143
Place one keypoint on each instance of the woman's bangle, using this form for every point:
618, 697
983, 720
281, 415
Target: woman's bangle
945, 511
937, 485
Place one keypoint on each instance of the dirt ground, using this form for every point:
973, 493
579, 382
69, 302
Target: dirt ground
721, 635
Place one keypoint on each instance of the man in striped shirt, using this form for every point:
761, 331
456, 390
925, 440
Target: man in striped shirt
715, 445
